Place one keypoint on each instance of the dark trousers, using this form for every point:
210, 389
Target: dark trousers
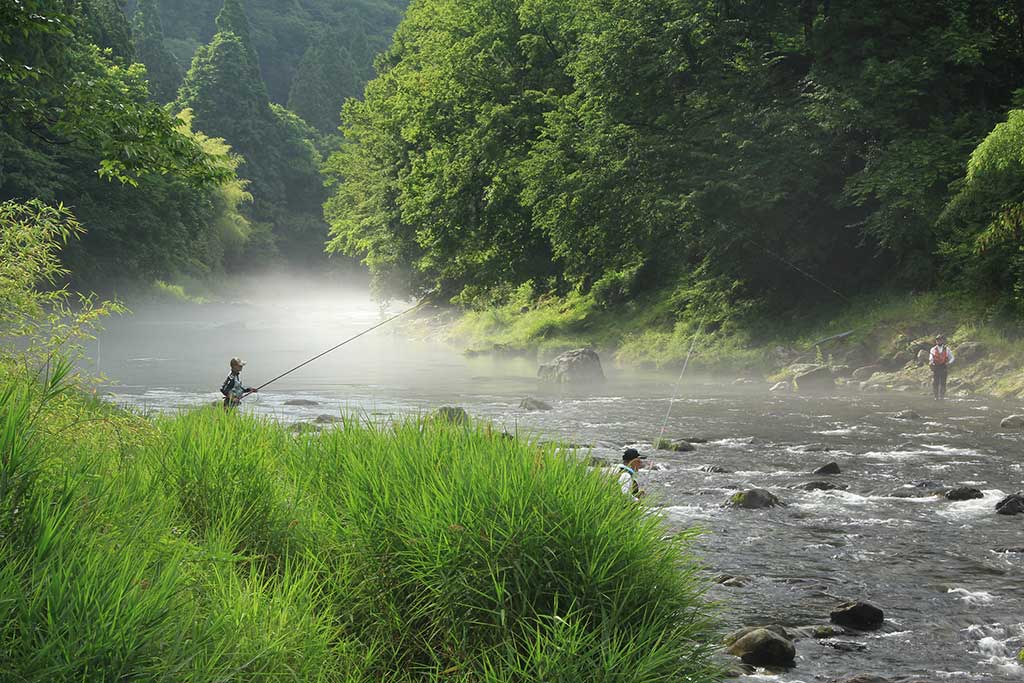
939, 375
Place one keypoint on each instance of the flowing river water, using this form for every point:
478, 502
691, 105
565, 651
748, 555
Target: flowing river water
953, 603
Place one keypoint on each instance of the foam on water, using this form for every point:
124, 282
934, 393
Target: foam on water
973, 597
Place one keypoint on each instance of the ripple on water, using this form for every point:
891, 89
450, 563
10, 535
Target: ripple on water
972, 597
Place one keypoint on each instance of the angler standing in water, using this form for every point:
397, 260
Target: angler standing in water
939, 359
233, 389
631, 464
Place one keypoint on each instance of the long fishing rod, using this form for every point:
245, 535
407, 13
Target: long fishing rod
338, 346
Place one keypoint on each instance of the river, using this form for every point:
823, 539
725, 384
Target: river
953, 605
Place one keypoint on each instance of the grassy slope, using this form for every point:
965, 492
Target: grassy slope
218, 547
645, 333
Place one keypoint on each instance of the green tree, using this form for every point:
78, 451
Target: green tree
325, 78
162, 69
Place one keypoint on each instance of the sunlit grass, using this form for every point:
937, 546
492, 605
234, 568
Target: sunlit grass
220, 547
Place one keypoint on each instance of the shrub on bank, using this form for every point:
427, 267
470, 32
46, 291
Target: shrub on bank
220, 547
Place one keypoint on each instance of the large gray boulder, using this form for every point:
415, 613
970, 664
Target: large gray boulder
579, 366
863, 374
764, 647
534, 404
968, 352
815, 380
754, 499
1013, 422
964, 493
1012, 504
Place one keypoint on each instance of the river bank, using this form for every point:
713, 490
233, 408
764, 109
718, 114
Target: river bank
868, 345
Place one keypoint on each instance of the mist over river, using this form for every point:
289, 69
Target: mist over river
954, 606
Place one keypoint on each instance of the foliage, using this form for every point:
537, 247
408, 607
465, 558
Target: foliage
40, 318
161, 550
162, 69
324, 79
781, 151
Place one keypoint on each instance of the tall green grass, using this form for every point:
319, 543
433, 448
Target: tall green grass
218, 547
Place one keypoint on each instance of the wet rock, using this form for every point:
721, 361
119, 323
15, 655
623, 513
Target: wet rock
677, 446
907, 415
863, 374
817, 380
745, 381
900, 359
695, 439
731, 581
1009, 549
579, 366
738, 670
714, 469
821, 486
754, 499
927, 484
300, 402
843, 645
815, 448
1011, 505
831, 468
1013, 422
922, 357
968, 352
533, 404
964, 493
862, 616
764, 647
913, 492
327, 419
781, 388
453, 414
819, 632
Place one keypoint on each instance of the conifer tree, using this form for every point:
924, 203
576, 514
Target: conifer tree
326, 77
232, 19
104, 22
162, 69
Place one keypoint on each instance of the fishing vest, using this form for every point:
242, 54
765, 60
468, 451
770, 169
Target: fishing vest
941, 355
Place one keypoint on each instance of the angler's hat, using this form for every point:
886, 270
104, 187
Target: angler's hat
629, 455
238, 361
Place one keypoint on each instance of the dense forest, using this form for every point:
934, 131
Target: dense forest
732, 154
185, 138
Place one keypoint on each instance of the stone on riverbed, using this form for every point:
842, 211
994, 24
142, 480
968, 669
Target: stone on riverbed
714, 469
863, 374
862, 616
1013, 422
305, 402
907, 415
821, 486
454, 414
764, 647
831, 468
677, 446
1011, 505
754, 499
533, 404
781, 387
816, 380
964, 493
579, 366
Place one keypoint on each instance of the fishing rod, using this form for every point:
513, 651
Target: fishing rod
407, 311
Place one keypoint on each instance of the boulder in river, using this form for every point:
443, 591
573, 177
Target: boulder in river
305, 402
964, 493
677, 446
326, 419
821, 486
815, 380
731, 581
579, 366
1011, 505
714, 469
453, 414
831, 468
533, 404
907, 415
781, 387
863, 374
764, 647
862, 616
754, 499
1012, 422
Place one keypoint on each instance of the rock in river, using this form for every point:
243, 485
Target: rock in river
862, 616
580, 366
818, 379
1011, 505
863, 374
300, 402
754, 499
453, 414
714, 469
964, 493
907, 415
831, 468
678, 446
764, 647
821, 486
533, 404
1013, 422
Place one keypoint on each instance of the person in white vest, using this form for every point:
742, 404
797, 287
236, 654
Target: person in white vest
632, 463
939, 359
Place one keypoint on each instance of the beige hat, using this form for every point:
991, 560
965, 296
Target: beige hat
238, 361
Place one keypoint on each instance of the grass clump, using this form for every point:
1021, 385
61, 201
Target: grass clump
219, 547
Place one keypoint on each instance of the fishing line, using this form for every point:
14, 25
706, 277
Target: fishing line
338, 346
675, 390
